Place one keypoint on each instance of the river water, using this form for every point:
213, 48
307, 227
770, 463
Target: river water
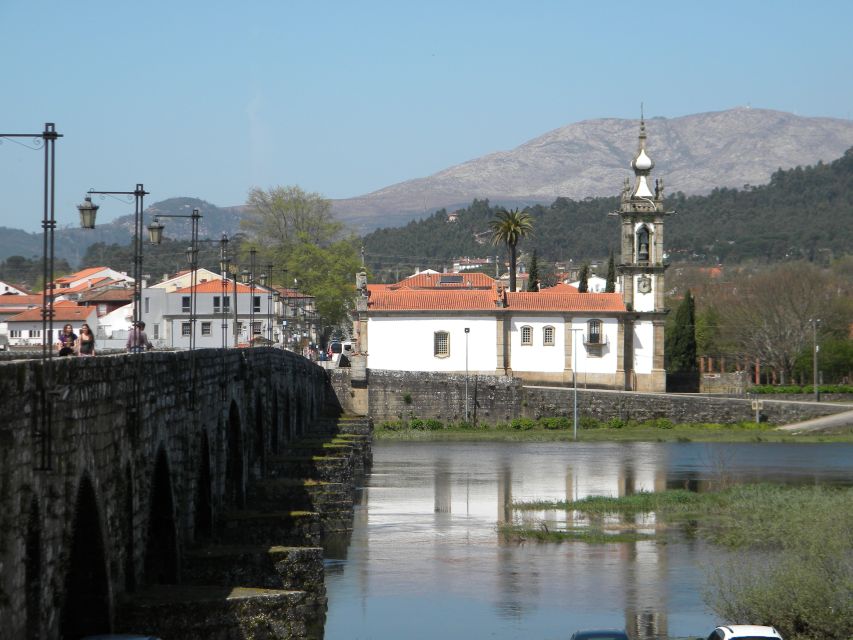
425, 560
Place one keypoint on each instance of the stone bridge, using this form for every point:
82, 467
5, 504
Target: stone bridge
114, 473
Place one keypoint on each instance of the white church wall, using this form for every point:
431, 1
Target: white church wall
537, 356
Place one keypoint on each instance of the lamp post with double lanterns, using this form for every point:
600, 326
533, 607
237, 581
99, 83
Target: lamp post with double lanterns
224, 262
45, 140
88, 212
155, 235
248, 277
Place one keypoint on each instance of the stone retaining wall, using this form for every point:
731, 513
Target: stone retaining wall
391, 395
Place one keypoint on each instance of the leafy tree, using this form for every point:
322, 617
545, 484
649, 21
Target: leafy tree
680, 343
610, 287
29, 272
295, 232
508, 227
283, 216
533, 274
583, 284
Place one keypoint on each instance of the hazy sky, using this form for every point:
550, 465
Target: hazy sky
207, 99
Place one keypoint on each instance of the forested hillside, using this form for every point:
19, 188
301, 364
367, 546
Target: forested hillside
803, 213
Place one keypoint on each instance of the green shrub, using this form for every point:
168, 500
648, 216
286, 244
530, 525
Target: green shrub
407, 398
586, 422
661, 423
432, 424
559, 422
416, 423
615, 423
523, 424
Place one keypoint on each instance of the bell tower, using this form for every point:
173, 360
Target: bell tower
642, 214
641, 270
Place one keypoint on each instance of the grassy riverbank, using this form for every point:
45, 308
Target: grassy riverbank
560, 429
791, 561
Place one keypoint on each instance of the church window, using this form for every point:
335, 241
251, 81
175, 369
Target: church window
441, 344
548, 336
593, 332
527, 335
643, 244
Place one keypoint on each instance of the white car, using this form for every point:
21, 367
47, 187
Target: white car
744, 632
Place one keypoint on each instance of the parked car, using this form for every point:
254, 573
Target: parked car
744, 632
600, 634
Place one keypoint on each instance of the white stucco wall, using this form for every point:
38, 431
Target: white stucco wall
537, 357
644, 346
406, 343
586, 363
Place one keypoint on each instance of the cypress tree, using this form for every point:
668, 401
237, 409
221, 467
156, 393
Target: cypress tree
583, 285
610, 287
680, 344
533, 274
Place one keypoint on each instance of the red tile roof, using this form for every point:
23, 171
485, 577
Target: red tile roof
560, 288
85, 273
434, 281
20, 302
89, 284
483, 300
408, 299
108, 295
215, 286
62, 312
537, 301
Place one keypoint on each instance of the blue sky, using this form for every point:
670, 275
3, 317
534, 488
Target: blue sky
208, 99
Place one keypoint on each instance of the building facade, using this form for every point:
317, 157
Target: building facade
552, 336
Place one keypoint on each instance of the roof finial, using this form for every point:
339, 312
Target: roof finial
642, 124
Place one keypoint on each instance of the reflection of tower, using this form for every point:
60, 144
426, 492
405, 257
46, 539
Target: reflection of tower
641, 268
504, 495
443, 489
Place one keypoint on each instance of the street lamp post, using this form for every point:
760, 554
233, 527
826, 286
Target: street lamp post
249, 279
88, 212
815, 350
155, 234
467, 331
223, 271
46, 140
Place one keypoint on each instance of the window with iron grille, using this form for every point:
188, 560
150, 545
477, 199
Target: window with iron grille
527, 335
205, 328
256, 328
593, 332
185, 329
441, 344
548, 336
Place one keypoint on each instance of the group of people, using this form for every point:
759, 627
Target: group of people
70, 344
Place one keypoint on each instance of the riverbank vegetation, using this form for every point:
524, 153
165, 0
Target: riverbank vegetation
560, 428
791, 561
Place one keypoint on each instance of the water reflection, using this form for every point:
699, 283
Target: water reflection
425, 559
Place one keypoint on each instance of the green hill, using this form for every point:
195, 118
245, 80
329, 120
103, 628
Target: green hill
802, 213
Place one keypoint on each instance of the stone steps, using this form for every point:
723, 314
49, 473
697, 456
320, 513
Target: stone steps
269, 567
220, 613
292, 528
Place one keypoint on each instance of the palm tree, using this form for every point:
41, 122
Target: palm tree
508, 227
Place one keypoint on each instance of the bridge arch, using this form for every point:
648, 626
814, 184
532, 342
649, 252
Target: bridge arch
274, 424
33, 571
203, 519
161, 548
235, 488
86, 610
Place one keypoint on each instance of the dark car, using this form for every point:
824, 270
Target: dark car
600, 634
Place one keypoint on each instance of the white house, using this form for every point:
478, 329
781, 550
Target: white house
596, 284
167, 312
557, 335
7, 289
25, 328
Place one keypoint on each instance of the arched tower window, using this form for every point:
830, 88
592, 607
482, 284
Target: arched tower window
643, 244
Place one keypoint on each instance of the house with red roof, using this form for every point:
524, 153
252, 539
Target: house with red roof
25, 328
170, 320
552, 336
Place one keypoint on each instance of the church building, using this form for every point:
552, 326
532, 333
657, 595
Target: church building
455, 323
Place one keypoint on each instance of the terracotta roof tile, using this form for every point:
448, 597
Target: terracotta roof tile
215, 286
445, 281
68, 312
410, 300
537, 301
85, 273
560, 288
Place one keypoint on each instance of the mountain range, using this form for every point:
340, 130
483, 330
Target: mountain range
694, 154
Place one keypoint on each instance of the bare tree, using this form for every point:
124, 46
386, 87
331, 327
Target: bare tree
769, 315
